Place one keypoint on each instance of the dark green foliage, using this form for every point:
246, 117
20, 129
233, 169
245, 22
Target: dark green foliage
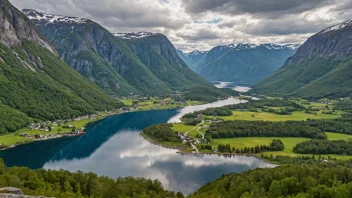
265, 105
208, 94
241, 128
275, 145
161, 133
324, 147
216, 112
12, 120
63, 184
192, 122
282, 181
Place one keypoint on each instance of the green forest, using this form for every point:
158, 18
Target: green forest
294, 181
64, 184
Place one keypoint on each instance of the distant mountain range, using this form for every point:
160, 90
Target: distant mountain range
240, 63
321, 67
122, 63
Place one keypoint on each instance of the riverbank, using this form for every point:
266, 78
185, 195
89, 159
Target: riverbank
27, 135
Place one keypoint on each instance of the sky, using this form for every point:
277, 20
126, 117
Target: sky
203, 24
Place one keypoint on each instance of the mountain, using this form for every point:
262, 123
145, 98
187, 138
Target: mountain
161, 57
114, 61
34, 82
98, 55
320, 68
244, 63
193, 59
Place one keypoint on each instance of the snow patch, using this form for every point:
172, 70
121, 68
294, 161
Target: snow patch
337, 27
138, 35
195, 53
50, 18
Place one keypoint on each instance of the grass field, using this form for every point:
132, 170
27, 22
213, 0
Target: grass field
288, 142
7, 140
255, 116
337, 136
182, 128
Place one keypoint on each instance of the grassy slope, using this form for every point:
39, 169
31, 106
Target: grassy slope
54, 92
310, 78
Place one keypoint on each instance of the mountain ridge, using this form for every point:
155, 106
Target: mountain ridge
241, 63
109, 61
320, 67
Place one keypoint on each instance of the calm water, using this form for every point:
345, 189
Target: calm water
113, 147
231, 85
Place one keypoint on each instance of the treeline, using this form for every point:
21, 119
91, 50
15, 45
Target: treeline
275, 145
341, 147
242, 128
287, 107
283, 181
208, 94
12, 120
161, 133
63, 184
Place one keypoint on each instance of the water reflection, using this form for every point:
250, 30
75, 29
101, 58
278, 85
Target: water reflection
113, 147
127, 153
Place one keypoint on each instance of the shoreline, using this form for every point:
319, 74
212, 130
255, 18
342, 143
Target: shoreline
181, 152
90, 121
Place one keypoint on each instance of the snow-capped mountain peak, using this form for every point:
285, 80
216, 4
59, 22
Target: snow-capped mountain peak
50, 18
138, 35
195, 53
336, 27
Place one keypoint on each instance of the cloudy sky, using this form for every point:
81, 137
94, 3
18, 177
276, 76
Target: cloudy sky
203, 24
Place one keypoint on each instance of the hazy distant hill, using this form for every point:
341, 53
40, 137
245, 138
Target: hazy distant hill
245, 63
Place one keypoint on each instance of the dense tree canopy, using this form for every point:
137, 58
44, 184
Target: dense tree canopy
63, 184
324, 147
241, 128
283, 181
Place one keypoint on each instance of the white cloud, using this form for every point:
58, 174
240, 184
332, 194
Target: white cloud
203, 24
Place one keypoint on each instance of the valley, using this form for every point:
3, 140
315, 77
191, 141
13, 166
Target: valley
218, 99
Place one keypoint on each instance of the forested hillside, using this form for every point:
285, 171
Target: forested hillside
34, 81
320, 68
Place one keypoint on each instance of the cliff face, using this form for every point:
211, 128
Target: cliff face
15, 27
320, 68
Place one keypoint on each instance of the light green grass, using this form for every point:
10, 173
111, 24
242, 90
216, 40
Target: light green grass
240, 143
288, 142
193, 133
255, 116
182, 128
7, 140
337, 136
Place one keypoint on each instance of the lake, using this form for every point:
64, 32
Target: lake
231, 85
114, 148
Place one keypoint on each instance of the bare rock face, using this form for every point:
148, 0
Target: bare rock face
10, 192
15, 26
